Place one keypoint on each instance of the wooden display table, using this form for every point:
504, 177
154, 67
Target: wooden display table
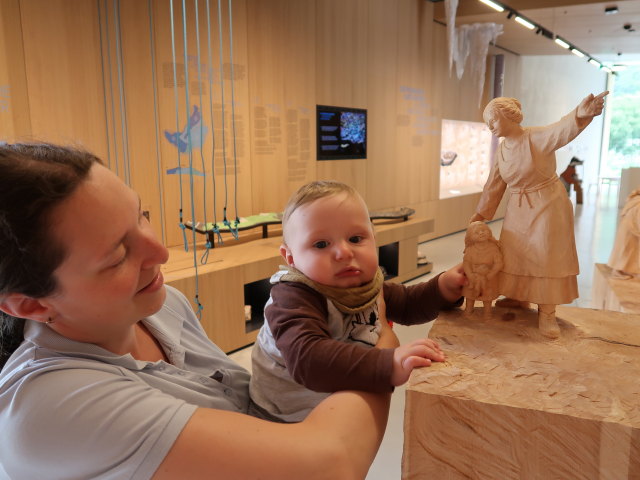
508, 404
237, 275
609, 293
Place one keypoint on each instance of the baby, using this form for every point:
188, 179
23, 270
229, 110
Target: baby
327, 309
482, 260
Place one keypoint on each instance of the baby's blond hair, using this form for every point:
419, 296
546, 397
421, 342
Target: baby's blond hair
311, 192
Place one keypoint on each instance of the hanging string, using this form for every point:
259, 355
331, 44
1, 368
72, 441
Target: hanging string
155, 117
190, 150
113, 108
233, 230
104, 84
205, 255
175, 94
216, 229
233, 117
122, 95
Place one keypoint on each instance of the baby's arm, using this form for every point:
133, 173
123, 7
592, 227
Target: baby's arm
313, 358
418, 353
451, 281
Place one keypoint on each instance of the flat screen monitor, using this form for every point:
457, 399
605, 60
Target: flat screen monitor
342, 133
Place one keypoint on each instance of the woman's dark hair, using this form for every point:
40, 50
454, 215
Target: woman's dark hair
34, 179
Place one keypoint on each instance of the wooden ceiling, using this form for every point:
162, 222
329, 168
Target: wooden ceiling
582, 23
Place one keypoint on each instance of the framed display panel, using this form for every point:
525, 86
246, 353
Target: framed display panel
465, 157
341, 133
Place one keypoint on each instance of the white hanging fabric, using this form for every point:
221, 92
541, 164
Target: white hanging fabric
469, 41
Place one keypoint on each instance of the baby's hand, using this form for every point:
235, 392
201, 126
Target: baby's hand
451, 281
418, 353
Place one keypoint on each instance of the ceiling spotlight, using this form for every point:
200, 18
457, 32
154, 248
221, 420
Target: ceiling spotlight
577, 52
493, 5
594, 62
618, 67
610, 10
561, 42
525, 23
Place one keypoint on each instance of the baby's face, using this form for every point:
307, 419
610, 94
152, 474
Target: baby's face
331, 241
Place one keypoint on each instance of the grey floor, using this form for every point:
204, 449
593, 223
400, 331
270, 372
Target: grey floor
595, 225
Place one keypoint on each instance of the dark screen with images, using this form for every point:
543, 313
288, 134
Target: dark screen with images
342, 133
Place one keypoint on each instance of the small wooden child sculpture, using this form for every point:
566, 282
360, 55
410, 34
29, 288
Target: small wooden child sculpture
482, 260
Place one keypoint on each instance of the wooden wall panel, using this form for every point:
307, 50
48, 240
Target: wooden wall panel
417, 132
342, 75
288, 56
62, 59
281, 38
384, 163
135, 153
15, 121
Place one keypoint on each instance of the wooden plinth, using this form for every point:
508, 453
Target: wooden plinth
508, 404
616, 294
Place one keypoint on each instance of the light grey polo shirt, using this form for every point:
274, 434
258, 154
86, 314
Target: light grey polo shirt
71, 410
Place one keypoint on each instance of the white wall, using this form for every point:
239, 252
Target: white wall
549, 87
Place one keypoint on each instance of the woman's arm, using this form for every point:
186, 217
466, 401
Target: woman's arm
339, 439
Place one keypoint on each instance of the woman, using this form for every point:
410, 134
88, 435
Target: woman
106, 373
538, 244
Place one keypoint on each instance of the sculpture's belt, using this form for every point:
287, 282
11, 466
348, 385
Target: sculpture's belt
523, 192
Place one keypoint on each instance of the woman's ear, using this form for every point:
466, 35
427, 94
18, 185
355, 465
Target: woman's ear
21, 306
286, 254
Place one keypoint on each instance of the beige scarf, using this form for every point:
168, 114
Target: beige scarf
347, 300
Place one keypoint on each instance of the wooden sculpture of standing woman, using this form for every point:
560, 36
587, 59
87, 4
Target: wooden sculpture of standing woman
537, 237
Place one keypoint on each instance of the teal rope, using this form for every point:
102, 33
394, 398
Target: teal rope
226, 222
113, 108
207, 244
175, 95
187, 98
155, 117
216, 229
233, 118
104, 86
122, 94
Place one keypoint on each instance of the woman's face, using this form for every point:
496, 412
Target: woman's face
501, 126
110, 278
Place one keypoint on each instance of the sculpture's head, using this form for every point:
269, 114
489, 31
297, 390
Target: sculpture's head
502, 114
477, 232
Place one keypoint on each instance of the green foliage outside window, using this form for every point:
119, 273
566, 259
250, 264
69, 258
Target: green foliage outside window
624, 137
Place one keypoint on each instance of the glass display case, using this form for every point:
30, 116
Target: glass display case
465, 157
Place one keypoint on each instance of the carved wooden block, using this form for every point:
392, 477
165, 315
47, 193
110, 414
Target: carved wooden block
510, 404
